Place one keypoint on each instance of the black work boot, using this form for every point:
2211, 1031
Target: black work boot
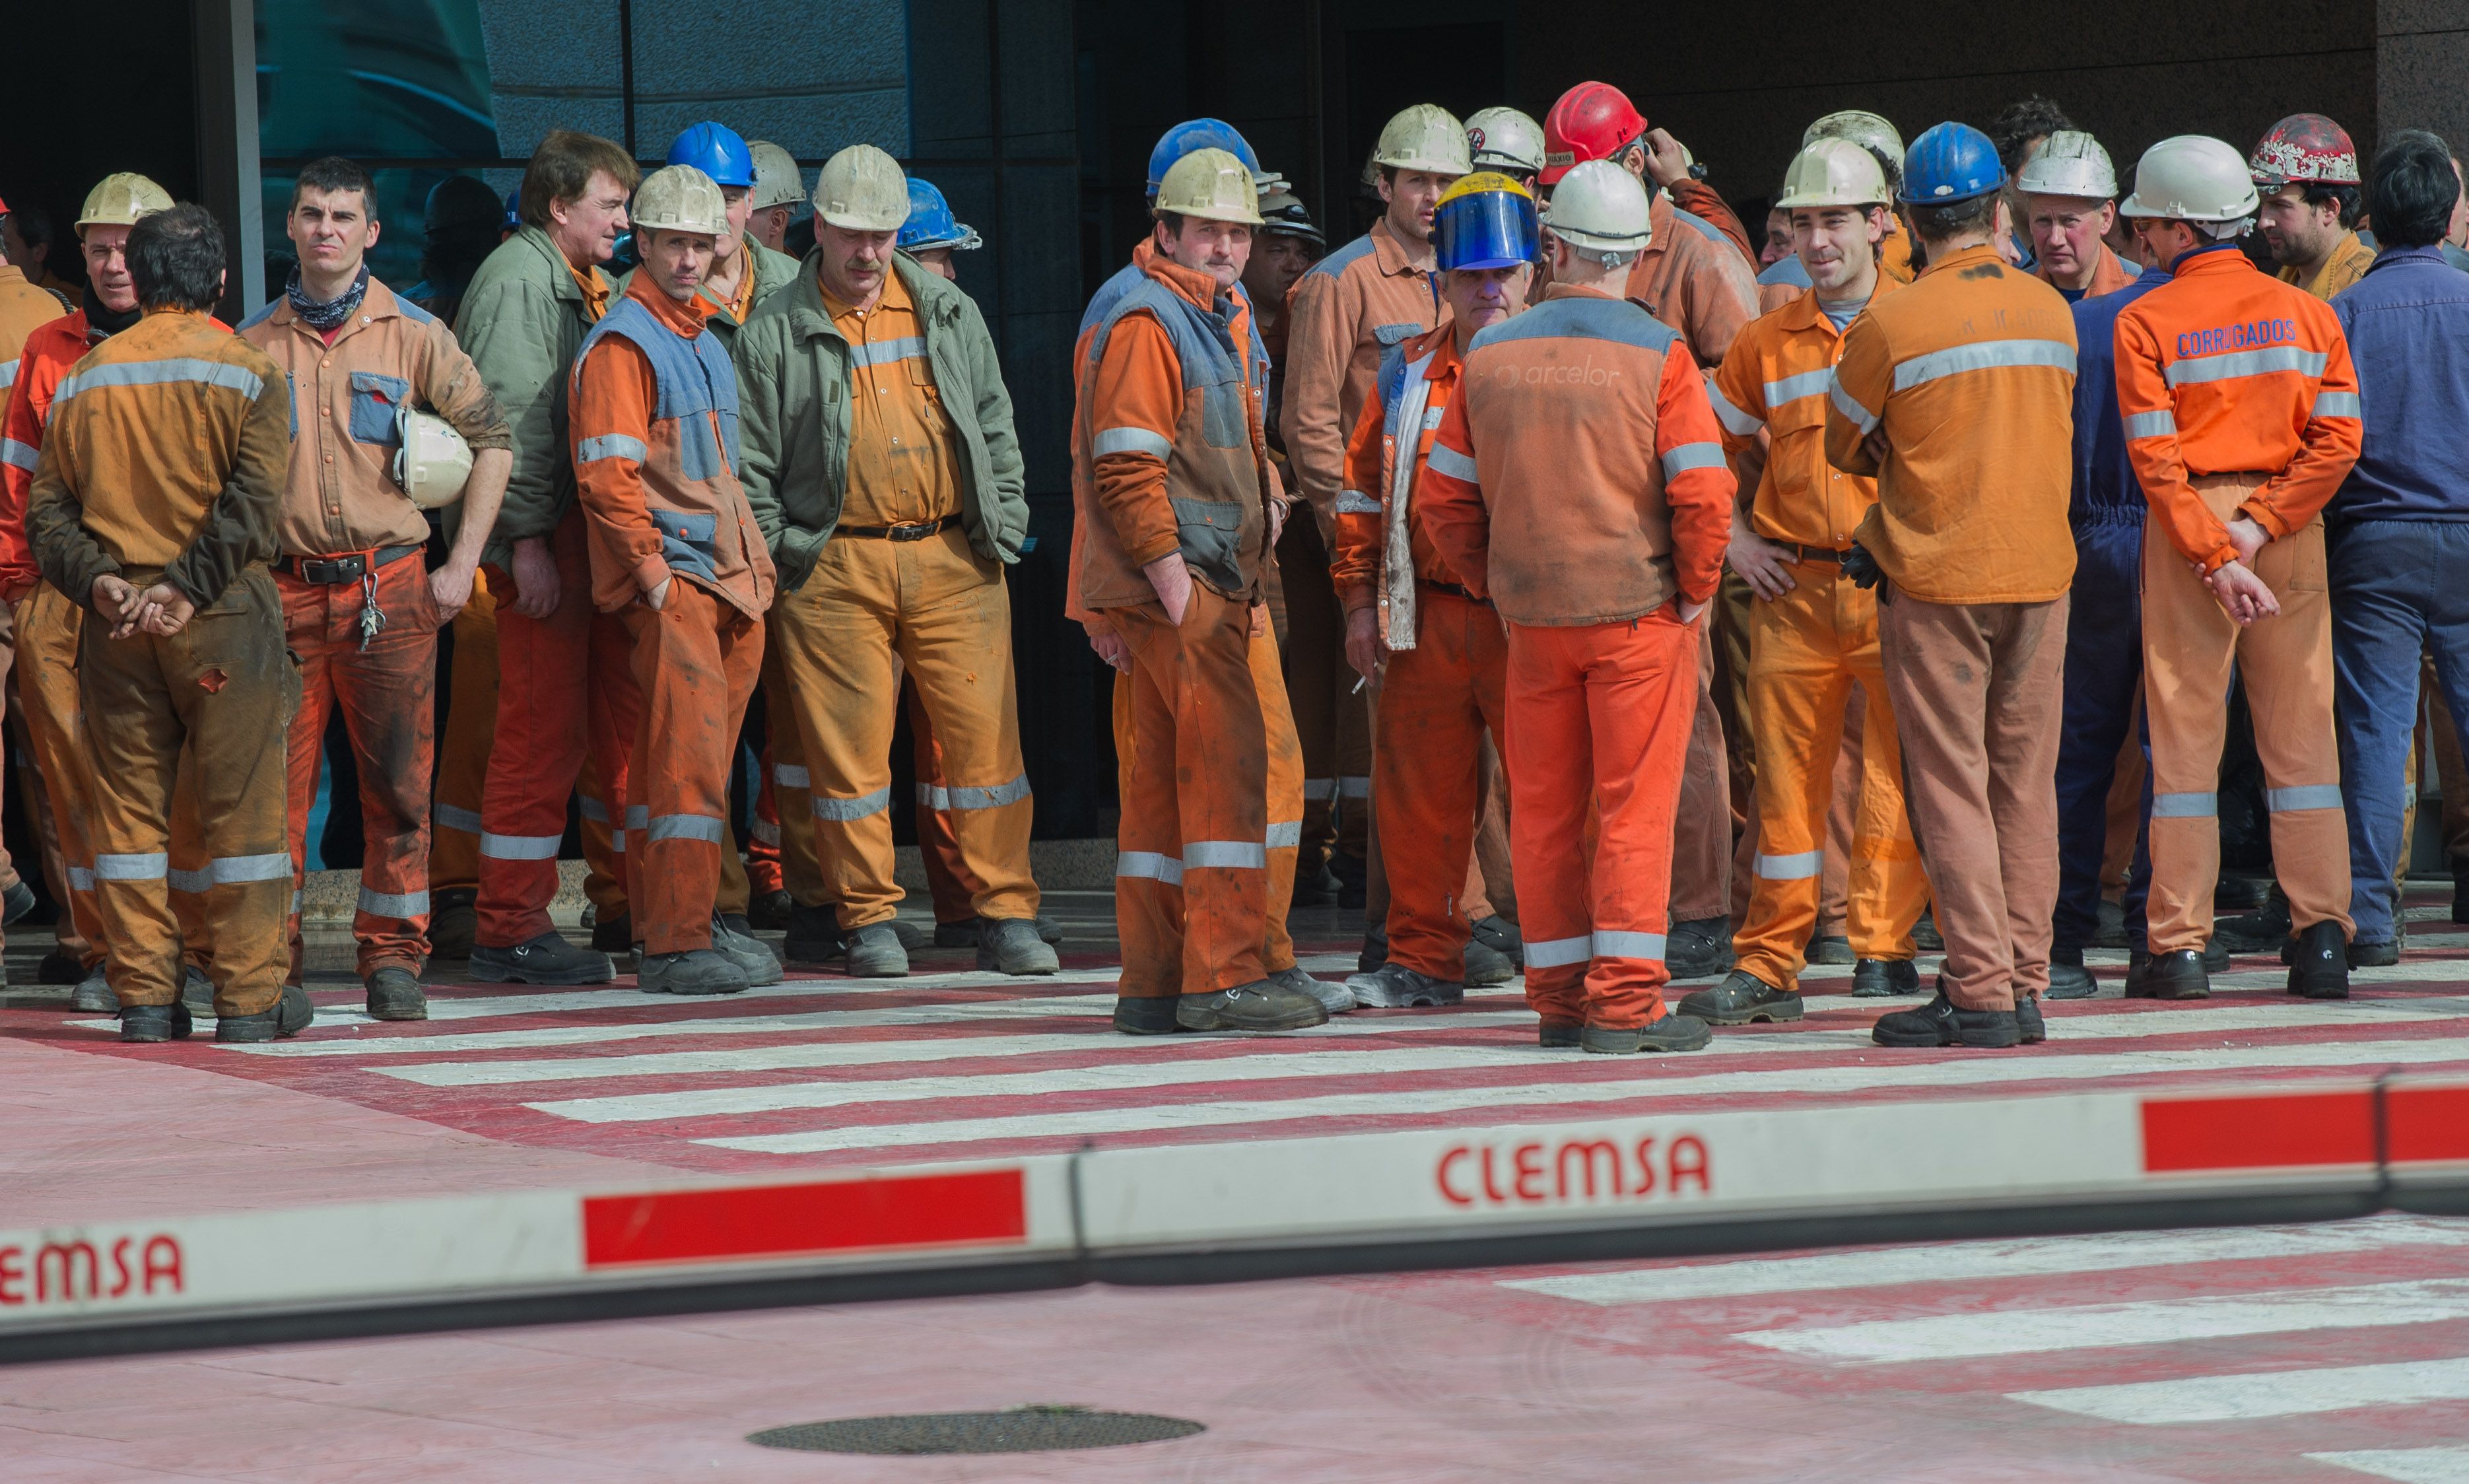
1353, 880
453, 923
1262, 1004
2069, 979
14, 903
156, 1021
1501, 935
1376, 948
2263, 930
2176, 975
1560, 1035
2320, 969
546, 960
1831, 948
1877, 979
813, 934
2361, 954
1941, 1022
1396, 987
963, 934
2216, 957
769, 910
614, 935
1701, 948
1145, 1015
1485, 966
1674, 1033
875, 952
291, 1014
59, 966
1010, 945
395, 994
2028, 1020
1741, 1000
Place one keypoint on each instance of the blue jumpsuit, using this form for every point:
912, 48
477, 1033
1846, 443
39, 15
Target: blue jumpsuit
2104, 629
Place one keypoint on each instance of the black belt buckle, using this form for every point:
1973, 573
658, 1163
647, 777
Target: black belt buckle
916, 532
331, 570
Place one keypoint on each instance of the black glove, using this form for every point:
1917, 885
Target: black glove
1862, 568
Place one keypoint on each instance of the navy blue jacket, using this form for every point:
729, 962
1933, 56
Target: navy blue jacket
2105, 491
2408, 324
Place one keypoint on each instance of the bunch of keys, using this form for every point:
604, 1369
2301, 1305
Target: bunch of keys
373, 618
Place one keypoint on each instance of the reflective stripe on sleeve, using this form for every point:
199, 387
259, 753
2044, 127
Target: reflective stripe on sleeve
1133, 440
468, 820
2338, 404
1845, 403
609, 446
1443, 459
1790, 868
2162, 424
1736, 422
19, 455
1692, 455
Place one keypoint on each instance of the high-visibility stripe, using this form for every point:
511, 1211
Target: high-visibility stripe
858, 808
390, 904
7, 374
2268, 362
1983, 356
2185, 806
2162, 424
637, 816
683, 826
131, 867
1736, 422
1356, 502
1849, 406
593, 809
1287, 835
1792, 388
1443, 459
766, 831
1319, 790
19, 455
520, 848
1792, 868
1149, 866
791, 776
2310, 796
81, 878
1357, 787
1680, 460
468, 820
883, 352
1559, 952
2338, 404
1133, 440
948, 800
1432, 416
609, 446
158, 373
1225, 855
1628, 945
234, 870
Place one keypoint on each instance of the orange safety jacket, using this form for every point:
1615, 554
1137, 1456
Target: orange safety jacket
1341, 319
1776, 379
654, 423
1534, 489
1690, 277
2226, 370
1171, 426
1382, 547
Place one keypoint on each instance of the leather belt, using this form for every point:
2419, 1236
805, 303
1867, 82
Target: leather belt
350, 567
916, 530
1826, 554
1452, 589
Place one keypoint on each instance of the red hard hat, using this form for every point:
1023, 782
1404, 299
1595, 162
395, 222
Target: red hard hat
2304, 147
1593, 121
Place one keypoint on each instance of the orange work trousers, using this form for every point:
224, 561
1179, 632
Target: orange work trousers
1600, 713
463, 752
949, 881
801, 874
202, 697
387, 694
1976, 690
1192, 871
696, 662
1285, 790
568, 689
1810, 647
1436, 701
2190, 647
1702, 846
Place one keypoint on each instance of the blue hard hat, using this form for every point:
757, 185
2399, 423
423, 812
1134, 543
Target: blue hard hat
715, 150
1950, 163
1484, 220
930, 222
1197, 135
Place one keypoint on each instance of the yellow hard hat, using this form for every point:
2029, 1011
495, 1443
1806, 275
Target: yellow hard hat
1212, 185
861, 190
1426, 137
1833, 173
679, 198
120, 199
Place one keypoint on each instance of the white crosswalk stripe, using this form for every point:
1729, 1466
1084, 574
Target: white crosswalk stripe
2405, 1465
2209, 1399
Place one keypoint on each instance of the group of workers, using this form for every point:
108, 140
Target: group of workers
1547, 553
1737, 590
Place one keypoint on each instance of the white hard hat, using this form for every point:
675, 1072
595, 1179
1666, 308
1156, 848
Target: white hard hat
119, 200
2071, 162
861, 190
1506, 139
2192, 177
1212, 185
679, 198
1861, 127
1600, 205
1424, 137
434, 462
778, 180
1833, 173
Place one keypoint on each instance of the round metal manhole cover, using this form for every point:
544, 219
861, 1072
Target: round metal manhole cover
1028, 1429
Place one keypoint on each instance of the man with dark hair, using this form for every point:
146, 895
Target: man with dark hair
26, 238
2306, 172
2402, 515
358, 610
155, 506
564, 686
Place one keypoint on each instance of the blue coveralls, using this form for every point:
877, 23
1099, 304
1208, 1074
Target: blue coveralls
2104, 629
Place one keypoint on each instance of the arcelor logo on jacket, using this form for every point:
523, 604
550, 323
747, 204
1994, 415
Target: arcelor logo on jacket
1584, 373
